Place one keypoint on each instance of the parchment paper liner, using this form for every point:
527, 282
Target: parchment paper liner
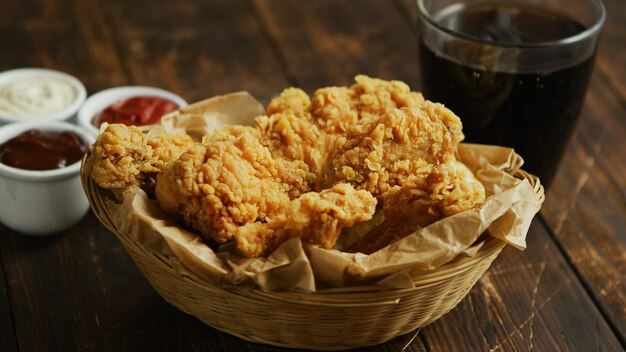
506, 215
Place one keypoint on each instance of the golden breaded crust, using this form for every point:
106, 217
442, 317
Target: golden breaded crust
122, 155
228, 182
316, 217
383, 151
448, 189
291, 100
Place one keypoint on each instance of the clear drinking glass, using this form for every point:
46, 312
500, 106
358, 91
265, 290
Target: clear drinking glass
514, 71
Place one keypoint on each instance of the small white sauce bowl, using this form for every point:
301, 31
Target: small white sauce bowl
27, 73
40, 203
96, 103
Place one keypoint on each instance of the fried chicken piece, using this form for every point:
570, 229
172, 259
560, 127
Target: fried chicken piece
336, 109
292, 138
377, 96
228, 181
333, 109
298, 129
291, 100
291, 133
316, 218
123, 156
383, 151
449, 189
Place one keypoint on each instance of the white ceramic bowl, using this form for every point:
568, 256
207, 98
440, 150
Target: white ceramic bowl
40, 203
101, 100
27, 73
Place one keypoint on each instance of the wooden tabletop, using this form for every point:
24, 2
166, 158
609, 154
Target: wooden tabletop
79, 290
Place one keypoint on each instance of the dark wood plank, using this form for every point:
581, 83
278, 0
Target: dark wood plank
80, 290
612, 52
327, 43
197, 49
7, 330
409, 11
102, 66
526, 301
586, 209
40, 34
407, 343
43, 35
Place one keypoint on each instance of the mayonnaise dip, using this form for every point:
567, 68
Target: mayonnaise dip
35, 96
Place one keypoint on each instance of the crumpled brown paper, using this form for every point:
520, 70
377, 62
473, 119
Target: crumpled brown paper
506, 214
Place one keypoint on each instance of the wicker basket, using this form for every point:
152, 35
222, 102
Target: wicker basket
325, 320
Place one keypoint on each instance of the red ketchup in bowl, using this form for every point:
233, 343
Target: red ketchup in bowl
38, 150
135, 111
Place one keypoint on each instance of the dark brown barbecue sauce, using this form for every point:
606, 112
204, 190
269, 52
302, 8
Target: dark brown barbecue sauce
39, 150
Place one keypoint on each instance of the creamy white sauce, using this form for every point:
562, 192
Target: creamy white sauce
35, 97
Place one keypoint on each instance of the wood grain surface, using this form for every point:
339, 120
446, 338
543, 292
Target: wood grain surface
79, 290
586, 209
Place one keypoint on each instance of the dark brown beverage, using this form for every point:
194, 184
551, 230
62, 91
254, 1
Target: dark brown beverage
532, 112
